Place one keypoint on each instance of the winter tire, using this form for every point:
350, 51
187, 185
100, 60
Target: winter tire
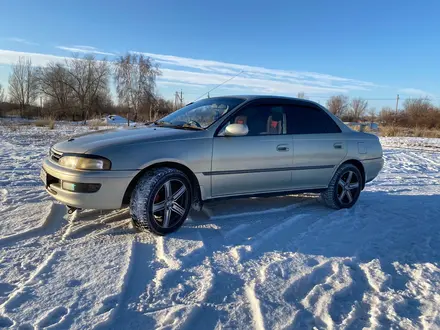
161, 201
344, 188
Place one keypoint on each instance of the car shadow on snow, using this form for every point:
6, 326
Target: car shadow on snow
401, 228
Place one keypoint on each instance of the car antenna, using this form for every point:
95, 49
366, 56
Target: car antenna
219, 85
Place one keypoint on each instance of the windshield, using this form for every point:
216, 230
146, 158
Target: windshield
201, 114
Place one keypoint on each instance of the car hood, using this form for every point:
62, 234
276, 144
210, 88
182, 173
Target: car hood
89, 142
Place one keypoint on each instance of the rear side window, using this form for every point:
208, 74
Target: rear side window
309, 120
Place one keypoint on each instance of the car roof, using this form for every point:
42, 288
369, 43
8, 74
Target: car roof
257, 97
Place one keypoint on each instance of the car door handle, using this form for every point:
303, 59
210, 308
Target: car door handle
282, 147
337, 145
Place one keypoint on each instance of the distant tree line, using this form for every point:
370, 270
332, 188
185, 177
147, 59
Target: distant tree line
415, 112
79, 89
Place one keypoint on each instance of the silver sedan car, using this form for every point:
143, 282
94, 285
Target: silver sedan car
220, 147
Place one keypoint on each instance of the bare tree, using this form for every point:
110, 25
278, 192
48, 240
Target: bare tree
417, 106
53, 84
102, 102
372, 114
87, 77
358, 107
23, 83
387, 116
301, 95
418, 111
338, 105
2, 94
135, 78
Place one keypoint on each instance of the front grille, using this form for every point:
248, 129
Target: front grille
55, 155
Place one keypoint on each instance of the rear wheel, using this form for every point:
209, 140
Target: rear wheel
344, 188
161, 201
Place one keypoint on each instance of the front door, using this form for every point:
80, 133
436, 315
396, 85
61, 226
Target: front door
260, 162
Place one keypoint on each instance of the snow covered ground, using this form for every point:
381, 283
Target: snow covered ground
415, 143
273, 263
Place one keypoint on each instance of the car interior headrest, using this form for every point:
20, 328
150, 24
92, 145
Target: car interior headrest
241, 120
277, 116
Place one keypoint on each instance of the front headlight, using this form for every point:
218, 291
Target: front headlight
85, 162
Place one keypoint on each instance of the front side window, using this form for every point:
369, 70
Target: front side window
309, 120
260, 120
200, 114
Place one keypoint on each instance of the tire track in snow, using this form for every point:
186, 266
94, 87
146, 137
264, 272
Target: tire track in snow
420, 160
59, 244
299, 288
51, 224
53, 318
428, 149
286, 234
217, 284
218, 244
195, 288
93, 227
347, 307
14, 297
122, 308
318, 299
224, 283
171, 265
257, 315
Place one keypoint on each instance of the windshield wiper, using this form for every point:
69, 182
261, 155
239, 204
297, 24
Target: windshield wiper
188, 126
161, 123
170, 125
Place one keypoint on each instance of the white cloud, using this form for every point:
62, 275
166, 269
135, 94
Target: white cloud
192, 73
11, 57
168, 83
22, 41
84, 50
260, 84
416, 92
296, 77
85, 47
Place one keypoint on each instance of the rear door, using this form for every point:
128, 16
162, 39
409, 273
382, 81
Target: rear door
318, 144
258, 162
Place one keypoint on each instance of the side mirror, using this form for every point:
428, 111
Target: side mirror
236, 130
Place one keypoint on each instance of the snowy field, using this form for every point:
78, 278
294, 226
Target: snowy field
274, 263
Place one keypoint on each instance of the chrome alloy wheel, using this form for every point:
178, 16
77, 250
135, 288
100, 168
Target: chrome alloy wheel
170, 203
348, 187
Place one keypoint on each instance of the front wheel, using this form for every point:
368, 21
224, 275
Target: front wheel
344, 188
161, 201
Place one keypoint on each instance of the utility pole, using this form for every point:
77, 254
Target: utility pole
397, 103
41, 105
178, 99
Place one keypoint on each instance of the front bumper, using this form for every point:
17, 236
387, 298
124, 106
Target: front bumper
109, 196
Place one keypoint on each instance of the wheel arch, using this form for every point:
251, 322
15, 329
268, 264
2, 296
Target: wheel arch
196, 193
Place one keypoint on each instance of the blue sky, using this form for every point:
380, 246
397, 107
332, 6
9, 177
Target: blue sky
372, 49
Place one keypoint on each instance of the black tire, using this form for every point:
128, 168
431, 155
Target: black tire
332, 196
152, 185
